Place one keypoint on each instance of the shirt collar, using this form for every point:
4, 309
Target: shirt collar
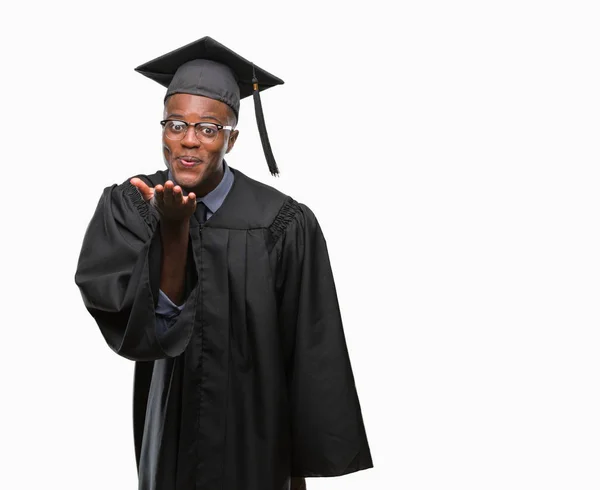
215, 198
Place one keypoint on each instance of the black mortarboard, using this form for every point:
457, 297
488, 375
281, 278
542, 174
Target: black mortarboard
207, 67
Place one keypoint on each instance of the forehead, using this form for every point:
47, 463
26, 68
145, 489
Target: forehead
187, 104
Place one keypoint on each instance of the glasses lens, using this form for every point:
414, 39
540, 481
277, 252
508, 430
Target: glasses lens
175, 130
207, 132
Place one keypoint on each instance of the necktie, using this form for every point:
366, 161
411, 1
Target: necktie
200, 212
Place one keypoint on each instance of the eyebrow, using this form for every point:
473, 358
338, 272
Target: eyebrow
169, 116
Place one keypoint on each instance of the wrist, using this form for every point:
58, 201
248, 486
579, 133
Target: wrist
174, 228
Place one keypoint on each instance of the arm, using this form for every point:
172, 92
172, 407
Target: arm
118, 273
298, 483
174, 235
174, 238
175, 210
328, 434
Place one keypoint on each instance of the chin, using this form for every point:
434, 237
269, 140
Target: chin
187, 179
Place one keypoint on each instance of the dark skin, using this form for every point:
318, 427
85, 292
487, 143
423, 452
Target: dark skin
198, 180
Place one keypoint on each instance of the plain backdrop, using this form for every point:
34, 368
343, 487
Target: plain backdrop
450, 152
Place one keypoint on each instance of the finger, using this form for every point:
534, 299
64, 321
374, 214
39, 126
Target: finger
146, 191
177, 195
168, 194
191, 200
159, 192
139, 183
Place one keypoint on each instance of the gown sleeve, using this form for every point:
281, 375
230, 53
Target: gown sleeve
328, 434
118, 274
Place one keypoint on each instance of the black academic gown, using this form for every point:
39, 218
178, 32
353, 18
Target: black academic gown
252, 384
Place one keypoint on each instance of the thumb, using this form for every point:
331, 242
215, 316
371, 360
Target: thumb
147, 192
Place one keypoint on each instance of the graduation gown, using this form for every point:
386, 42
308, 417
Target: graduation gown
252, 384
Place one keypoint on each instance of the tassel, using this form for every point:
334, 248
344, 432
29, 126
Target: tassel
262, 128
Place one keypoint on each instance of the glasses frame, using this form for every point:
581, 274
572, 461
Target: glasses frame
219, 127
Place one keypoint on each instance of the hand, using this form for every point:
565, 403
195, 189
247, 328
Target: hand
298, 483
168, 200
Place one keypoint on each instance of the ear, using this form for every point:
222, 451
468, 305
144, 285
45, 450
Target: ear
232, 139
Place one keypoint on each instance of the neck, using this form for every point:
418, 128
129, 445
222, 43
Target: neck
211, 181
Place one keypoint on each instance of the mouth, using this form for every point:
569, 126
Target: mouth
189, 161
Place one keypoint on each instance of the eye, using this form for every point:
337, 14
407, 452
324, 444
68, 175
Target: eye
176, 126
208, 130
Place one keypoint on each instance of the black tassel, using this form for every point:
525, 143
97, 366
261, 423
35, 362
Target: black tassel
262, 128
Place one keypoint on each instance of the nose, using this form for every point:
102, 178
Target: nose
190, 139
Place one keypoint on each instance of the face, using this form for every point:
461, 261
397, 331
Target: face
198, 166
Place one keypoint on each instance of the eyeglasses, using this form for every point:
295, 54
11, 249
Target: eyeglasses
205, 132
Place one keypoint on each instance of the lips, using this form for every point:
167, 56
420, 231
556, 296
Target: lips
189, 161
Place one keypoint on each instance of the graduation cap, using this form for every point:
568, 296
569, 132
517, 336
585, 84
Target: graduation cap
208, 68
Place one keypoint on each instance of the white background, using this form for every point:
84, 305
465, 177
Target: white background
450, 152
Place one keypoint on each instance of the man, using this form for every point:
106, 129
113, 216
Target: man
220, 288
